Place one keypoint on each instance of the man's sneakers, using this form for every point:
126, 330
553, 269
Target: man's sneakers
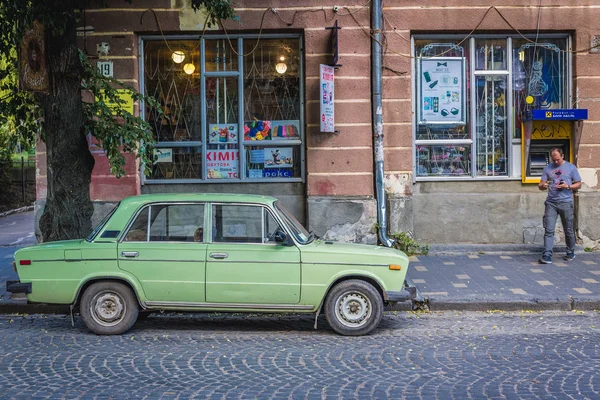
545, 260
570, 256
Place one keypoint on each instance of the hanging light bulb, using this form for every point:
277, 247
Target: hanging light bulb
178, 56
189, 68
281, 67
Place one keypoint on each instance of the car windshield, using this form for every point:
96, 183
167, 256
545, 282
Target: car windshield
99, 227
299, 232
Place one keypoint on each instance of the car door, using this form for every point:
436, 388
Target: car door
244, 264
165, 249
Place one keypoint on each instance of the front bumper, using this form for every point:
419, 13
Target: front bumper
18, 287
410, 292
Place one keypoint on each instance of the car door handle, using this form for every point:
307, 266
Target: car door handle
218, 256
130, 253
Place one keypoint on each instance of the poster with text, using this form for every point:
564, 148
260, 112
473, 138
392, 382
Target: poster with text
326, 101
222, 164
442, 90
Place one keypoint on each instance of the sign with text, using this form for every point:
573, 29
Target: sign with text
163, 155
222, 164
441, 82
560, 114
33, 67
125, 100
326, 101
105, 68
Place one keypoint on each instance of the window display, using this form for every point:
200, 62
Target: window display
483, 143
236, 102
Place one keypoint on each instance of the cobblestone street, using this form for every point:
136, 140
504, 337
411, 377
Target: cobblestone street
441, 355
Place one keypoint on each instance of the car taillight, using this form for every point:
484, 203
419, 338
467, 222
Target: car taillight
25, 262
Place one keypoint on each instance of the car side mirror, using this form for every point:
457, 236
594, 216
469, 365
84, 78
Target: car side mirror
281, 238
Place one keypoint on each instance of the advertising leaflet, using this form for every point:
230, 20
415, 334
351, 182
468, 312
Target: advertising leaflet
442, 90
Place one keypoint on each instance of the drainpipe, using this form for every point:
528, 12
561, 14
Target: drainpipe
377, 122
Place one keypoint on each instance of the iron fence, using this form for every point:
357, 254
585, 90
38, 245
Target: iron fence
23, 174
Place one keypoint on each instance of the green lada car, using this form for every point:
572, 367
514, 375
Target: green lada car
211, 252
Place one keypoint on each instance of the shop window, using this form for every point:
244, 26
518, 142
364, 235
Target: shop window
232, 109
465, 124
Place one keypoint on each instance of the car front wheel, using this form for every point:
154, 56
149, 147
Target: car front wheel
109, 308
353, 308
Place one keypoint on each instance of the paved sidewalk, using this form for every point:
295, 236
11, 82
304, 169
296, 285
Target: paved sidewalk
474, 281
480, 282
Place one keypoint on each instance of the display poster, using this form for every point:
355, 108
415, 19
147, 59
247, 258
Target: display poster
33, 67
280, 157
257, 130
125, 101
442, 90
257, 156
163, 155
222, 133
327, 120
222, 164
285, 129
255, 173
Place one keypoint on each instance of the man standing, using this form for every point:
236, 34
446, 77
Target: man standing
560, 178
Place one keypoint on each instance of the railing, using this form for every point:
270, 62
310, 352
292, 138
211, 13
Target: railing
23, 173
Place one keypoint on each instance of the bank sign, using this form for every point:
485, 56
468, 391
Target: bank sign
560, 114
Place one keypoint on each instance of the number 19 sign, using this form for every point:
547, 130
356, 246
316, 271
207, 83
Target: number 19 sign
326, 101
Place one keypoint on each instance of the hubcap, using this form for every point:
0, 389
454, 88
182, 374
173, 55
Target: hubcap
107, 308
353, 309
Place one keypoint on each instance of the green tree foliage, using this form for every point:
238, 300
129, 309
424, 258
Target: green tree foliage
116, 128
19, 114
62, 117
216, 10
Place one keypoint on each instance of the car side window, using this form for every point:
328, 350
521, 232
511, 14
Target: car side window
139, 229
177, 223
237, 223
271, 227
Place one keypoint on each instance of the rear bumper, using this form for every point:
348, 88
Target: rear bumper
410, 292
18, 287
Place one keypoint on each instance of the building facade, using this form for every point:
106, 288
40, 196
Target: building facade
243, 113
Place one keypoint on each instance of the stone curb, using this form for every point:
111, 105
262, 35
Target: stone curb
20, 307
491, 249
507, 305
16, 210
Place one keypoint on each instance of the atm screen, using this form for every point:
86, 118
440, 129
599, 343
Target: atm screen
539, 159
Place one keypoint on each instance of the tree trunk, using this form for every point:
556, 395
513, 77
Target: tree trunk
68, 210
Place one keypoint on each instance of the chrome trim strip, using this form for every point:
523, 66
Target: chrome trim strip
253, 262
83, 259
346, 264
155, 260
227, 305
220, 261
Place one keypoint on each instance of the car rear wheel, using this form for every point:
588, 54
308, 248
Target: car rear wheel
109, 308
353, 308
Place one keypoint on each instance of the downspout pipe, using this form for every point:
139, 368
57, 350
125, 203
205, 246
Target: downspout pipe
377, 120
